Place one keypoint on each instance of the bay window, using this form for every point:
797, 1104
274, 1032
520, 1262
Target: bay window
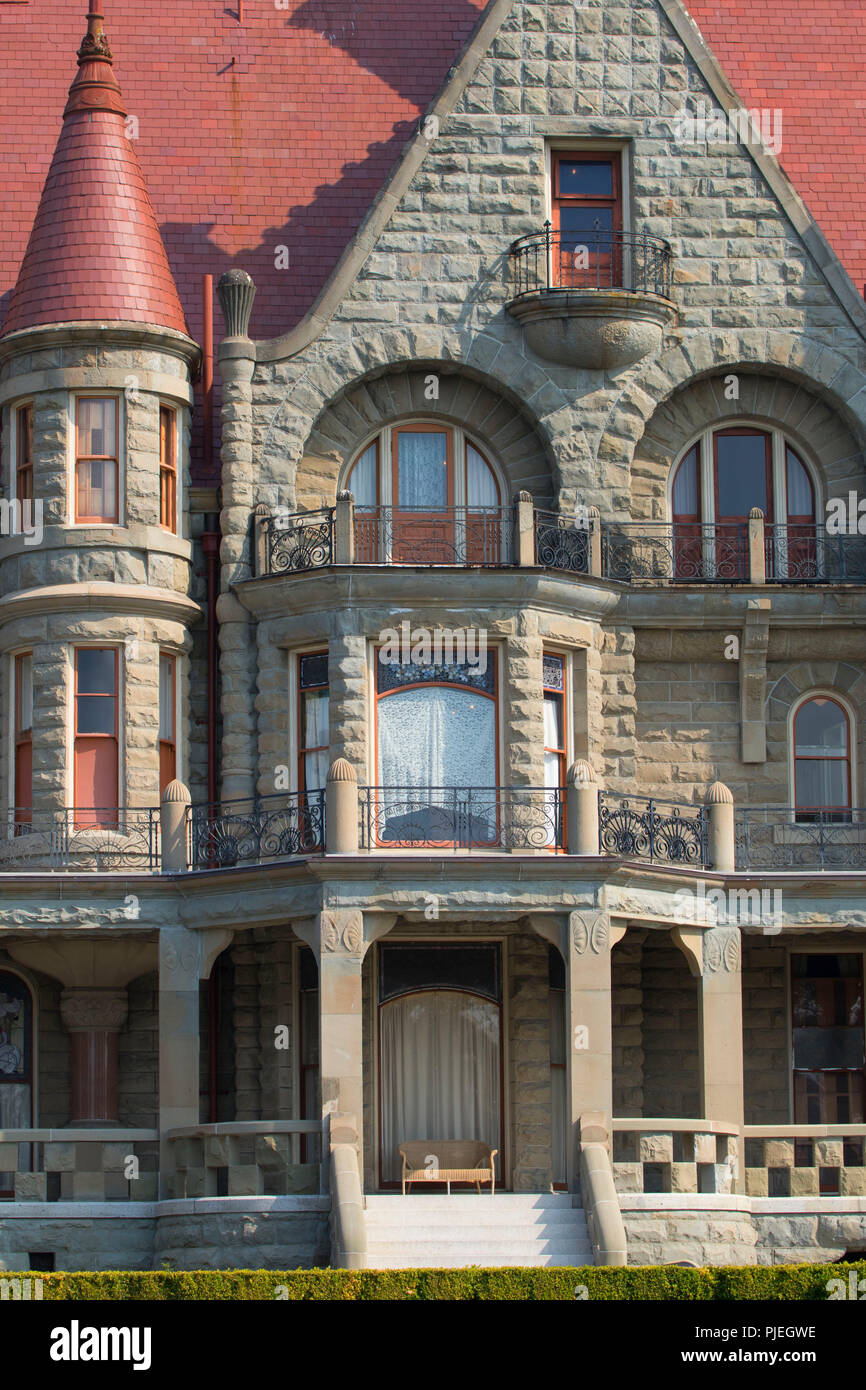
167, 468
96, 458
24, 454
96, 735
313, 736
167, 720
23, 751
436, 741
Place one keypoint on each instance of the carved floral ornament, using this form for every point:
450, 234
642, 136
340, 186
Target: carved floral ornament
589, 933
349, 937
83, 1010
721, 951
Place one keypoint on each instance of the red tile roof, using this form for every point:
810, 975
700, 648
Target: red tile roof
809, 60
280, 131
95, 251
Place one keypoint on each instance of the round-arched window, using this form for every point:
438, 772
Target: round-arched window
425, 494
822, 760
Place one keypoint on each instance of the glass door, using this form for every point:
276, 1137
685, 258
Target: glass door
743, 480
423, 496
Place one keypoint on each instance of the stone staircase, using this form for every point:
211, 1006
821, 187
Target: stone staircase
433, 1231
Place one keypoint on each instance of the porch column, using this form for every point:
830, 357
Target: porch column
721, 1026
94, 1018
714, 955
588, 1028
185, 958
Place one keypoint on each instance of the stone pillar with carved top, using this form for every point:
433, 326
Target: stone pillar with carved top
339, 937
589, 1026
721, 1025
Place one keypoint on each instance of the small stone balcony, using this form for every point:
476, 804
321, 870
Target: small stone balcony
601, 305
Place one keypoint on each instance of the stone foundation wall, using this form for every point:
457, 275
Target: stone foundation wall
737, 1234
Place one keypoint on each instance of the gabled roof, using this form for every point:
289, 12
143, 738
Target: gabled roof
809, 61
280, 131
95, 252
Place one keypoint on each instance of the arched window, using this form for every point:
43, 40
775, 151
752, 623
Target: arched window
717, 483
426, 495
822, 760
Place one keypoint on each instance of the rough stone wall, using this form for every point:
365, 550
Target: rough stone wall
670, 1031
766, 1032
138, 1056
528, 1067
627, 1020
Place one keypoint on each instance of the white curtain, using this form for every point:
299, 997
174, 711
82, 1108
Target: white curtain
422, 469
480, 483
799, 488
440, 1072
437, 736
362, 479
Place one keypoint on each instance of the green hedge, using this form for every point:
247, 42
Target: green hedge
651, 1282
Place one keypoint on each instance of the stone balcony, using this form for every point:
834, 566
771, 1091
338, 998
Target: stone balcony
576, 543
600, 305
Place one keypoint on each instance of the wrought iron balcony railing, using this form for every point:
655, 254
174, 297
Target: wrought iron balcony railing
808, 554
596, 259
301, 541
675, 552
638, 827
80, 840
418, 536
227, 834
561, 542
782, 837
462, 818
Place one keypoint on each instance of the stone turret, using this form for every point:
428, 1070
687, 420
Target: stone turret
96, 367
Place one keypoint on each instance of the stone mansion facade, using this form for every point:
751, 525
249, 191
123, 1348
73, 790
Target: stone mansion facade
481, 757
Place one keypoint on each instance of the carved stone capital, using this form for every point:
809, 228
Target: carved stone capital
721, 951
94, 1010
342, 931
590, 932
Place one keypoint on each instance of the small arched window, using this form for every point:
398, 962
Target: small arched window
822, 760
426, 495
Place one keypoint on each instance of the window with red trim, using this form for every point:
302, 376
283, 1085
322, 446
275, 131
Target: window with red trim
167, 468
822, 760
167, 720
96, 735
24, 454
96, 459
587, 215
23, 774
313, 731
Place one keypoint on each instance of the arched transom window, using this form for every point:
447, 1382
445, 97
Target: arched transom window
822, 760
426, 494
727, 472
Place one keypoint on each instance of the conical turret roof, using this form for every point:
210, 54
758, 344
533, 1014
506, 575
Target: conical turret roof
95, 252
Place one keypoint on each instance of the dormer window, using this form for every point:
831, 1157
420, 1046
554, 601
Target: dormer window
96, 459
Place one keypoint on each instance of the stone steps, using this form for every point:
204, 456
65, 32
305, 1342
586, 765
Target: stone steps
509, 1229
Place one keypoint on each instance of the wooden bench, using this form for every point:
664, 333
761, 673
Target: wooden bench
448, 1160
